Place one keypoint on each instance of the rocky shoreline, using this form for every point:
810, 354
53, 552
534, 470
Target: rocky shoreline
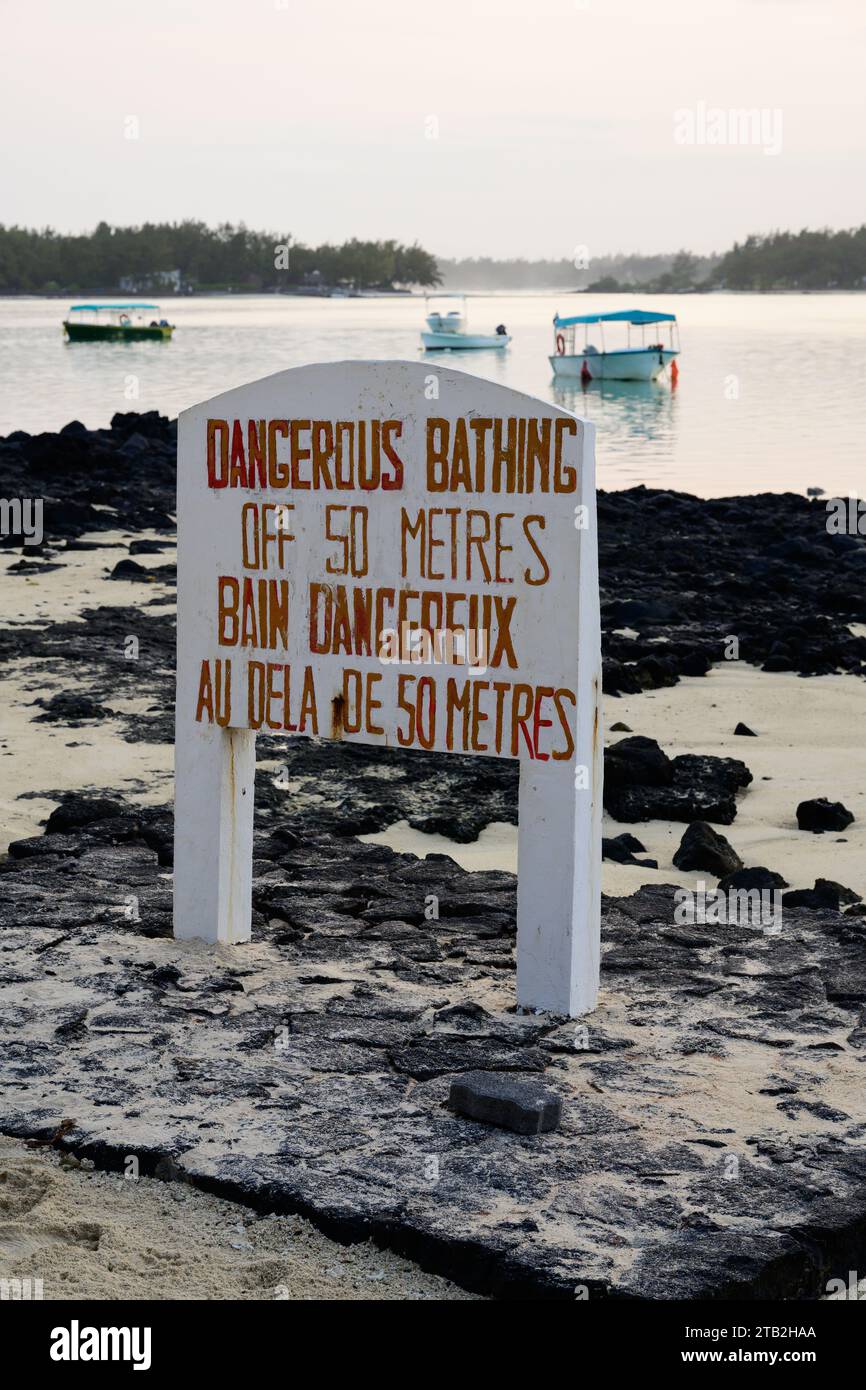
309, 1072
685, 582
680, 575
712, 1135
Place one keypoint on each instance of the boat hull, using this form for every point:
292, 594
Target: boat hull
109, 332
630, 364
463, 342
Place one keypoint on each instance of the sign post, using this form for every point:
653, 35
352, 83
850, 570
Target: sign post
404, 555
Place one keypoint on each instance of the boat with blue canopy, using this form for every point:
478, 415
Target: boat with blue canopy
596, 361
123, 323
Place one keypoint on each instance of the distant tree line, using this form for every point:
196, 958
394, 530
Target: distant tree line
806, 260
234, 257
797, 261
223, 257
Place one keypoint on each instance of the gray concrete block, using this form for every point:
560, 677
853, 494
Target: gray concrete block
519, 1103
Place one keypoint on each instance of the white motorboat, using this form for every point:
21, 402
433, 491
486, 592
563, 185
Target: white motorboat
643, 362
447, 329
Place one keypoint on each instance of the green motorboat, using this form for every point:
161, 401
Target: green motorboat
119, 323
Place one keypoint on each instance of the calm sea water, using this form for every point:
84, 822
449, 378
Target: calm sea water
771, 395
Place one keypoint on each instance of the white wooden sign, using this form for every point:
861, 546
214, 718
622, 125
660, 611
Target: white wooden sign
397, 554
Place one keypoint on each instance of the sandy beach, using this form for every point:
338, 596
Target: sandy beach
93, 1235
44, 756
809, 741
808, 738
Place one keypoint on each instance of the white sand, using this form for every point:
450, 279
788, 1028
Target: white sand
811, 737
54, 757
94, 1235
80, 582
810, 743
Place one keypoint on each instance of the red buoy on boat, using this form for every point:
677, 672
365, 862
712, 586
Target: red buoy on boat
675, 373
585, 373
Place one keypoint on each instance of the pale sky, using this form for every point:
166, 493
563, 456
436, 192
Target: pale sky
553, 121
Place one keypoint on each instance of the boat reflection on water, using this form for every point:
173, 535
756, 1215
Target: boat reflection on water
489, 363
624, 412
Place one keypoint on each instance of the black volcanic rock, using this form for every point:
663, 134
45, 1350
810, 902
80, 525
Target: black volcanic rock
139, 574
642, 783
621, 849
636, 761
762, 567
128, 569
702, 847
150, 424
758, 877
632, 612
824, 895
844, 895
683, 572
31, 567
89, 481
78, 811
334, 1047
70, 708
744, 731
147, 547
820, 814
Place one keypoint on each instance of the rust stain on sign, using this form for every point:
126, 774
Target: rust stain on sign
338, 714
597, 752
